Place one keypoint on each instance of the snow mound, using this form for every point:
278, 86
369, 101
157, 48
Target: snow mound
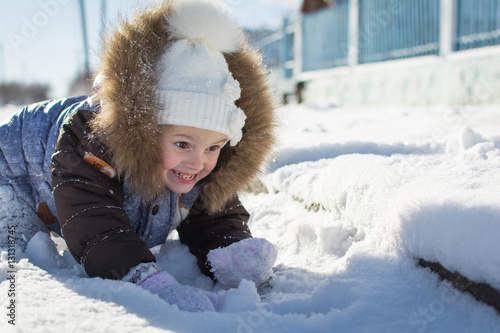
353, 198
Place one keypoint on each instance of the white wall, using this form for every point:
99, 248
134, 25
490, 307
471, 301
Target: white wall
465, 77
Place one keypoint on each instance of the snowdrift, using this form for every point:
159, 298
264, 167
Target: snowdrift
353, 199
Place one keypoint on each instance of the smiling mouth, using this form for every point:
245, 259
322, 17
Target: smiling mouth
184, 176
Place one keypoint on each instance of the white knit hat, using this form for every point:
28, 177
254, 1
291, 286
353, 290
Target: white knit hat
196, 88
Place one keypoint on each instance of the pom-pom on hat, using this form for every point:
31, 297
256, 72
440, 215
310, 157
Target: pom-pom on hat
196, 88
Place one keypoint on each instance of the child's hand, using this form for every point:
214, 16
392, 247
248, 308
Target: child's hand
185, 297
251, 259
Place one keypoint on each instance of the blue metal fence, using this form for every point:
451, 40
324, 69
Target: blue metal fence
387, 30
324, 37
394, 29
478, 24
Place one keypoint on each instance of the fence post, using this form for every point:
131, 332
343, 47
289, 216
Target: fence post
353, 34
446, 23
446, 28
297, 47
284, 48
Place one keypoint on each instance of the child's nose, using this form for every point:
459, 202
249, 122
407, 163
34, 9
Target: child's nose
195, 161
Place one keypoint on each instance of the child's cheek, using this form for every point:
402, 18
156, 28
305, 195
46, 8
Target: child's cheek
214, 163
210, 165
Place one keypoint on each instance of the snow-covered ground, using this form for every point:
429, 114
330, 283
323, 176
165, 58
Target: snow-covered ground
352, 198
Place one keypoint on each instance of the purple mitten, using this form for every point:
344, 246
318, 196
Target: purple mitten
158, 282
251, 259
185, 297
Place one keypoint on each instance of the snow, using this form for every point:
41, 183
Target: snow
352, 198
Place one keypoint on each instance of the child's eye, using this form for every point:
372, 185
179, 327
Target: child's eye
213, 148
182, 144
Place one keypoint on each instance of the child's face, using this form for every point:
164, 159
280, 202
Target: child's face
189, 154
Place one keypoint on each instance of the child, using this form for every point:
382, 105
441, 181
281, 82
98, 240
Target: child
181, 121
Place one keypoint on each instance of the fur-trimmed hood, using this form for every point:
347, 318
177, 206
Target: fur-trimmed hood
127, 122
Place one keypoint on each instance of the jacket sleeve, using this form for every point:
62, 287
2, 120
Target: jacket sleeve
89, 204
202, 231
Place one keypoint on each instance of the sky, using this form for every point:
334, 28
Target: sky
41, 40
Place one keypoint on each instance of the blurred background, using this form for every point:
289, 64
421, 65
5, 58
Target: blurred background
339, 52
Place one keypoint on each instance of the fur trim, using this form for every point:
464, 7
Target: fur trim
127, 123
